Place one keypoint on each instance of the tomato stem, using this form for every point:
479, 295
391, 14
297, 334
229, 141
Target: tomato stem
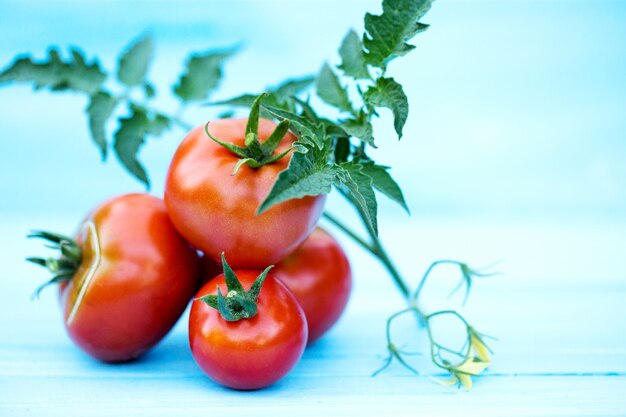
376, 249
238, 303
254, 153
63, 267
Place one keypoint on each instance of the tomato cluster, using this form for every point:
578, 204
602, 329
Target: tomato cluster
128, 273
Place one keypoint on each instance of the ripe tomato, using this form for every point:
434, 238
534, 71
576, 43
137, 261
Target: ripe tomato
254, 352
134, 280
318, 274
216, 211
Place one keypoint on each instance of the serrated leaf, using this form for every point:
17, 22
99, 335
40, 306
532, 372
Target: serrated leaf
244, 100
386, 34
74, 74
158, 124
360, 191
331, 91
292, 87
333, 129
308, 174
388, 93
133, 63
203, 72
342, 149
383, 182
128, 140
360, 128
280, 97
130, 137
100, 108
304, 129
352, 57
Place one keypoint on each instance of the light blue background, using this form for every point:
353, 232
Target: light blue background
518, 108
515, 149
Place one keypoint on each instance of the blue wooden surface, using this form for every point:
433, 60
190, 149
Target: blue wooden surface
560, 350
514, 151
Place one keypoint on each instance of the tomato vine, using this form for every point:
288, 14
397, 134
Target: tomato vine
330, 152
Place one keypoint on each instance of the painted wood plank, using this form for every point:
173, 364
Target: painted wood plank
561, 348
495, 396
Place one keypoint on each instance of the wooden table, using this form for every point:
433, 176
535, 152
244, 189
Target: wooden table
558, 313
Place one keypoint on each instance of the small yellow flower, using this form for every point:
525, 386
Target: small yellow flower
478, 346
471, 366
465, 380
462, 373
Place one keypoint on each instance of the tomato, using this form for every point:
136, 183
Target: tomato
134, 279
216, 211
318, 274
253, 352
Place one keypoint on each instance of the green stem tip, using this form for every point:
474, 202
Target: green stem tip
238, 303
62, 267
254, 153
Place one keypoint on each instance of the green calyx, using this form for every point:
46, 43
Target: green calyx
256, 154
238, 303
64, 266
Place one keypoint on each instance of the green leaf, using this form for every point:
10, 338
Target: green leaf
292, 87
359, 189
386, 34
202, 75
342, 149
281, 96
100, 108
388, 93
128, 139
331, 91
360, 128
304, 129
133, 63
244, 100
383, 182
307, 175
159, 124
73, 74
352, 57
131, 135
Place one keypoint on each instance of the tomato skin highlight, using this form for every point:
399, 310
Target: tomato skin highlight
318, 274
250, 353
216, 211
134, 282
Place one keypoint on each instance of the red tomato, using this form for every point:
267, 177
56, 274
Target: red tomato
318, 274
216, 211
251, 353
135, 279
